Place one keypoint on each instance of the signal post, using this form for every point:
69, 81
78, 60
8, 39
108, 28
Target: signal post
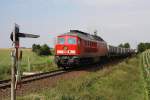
16, 56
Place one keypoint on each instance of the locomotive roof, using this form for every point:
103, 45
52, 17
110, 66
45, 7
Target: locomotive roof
83, 35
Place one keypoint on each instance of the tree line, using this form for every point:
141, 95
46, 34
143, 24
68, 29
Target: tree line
140, 47
46, 50
125, 45
143, 46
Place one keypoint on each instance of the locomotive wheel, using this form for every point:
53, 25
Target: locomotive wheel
65, 68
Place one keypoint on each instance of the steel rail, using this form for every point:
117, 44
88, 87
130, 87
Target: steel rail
25, 79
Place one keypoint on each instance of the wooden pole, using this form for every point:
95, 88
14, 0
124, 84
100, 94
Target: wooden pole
13, 92
13, 72
14, 64
29, 64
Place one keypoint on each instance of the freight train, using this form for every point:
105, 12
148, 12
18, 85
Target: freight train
77, 47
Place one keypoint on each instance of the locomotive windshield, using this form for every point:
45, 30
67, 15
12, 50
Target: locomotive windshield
72, 40
61, 40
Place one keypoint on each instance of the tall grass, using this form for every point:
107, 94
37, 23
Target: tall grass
145, 63
123, 81
37, 63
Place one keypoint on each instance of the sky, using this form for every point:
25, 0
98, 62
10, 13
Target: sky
117, 21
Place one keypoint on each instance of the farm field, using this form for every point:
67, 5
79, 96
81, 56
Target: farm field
123, 81
30, 62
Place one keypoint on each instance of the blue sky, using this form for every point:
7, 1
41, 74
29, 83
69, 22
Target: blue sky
117, 21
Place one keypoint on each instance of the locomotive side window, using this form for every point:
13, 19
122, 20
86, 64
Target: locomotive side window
72, 41
61, 40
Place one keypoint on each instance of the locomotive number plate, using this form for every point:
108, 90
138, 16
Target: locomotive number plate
66, 51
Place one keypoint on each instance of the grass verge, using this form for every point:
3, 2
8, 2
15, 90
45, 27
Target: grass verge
145, 63
30, 62
123, 81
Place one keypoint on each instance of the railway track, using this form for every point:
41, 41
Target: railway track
25, 79
40, 81
29, 78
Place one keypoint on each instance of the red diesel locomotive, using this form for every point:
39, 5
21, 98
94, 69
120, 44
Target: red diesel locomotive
77, 47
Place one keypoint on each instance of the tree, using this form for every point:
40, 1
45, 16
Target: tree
41, 50
126, 45
147, 45
35, 47
45, 50
121, 45
143, 46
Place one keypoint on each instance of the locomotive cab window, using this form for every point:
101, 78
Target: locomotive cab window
61, 40
72, 40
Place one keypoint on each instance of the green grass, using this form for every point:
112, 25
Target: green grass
123, 81
37, 63
145, 63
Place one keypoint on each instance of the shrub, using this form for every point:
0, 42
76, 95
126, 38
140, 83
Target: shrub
125, 45
143, 46
41, 50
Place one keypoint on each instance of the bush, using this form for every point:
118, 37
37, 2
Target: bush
125, 45
143, 46
41, 50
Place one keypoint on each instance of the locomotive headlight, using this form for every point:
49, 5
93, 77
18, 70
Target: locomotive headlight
72, 51
65, 48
